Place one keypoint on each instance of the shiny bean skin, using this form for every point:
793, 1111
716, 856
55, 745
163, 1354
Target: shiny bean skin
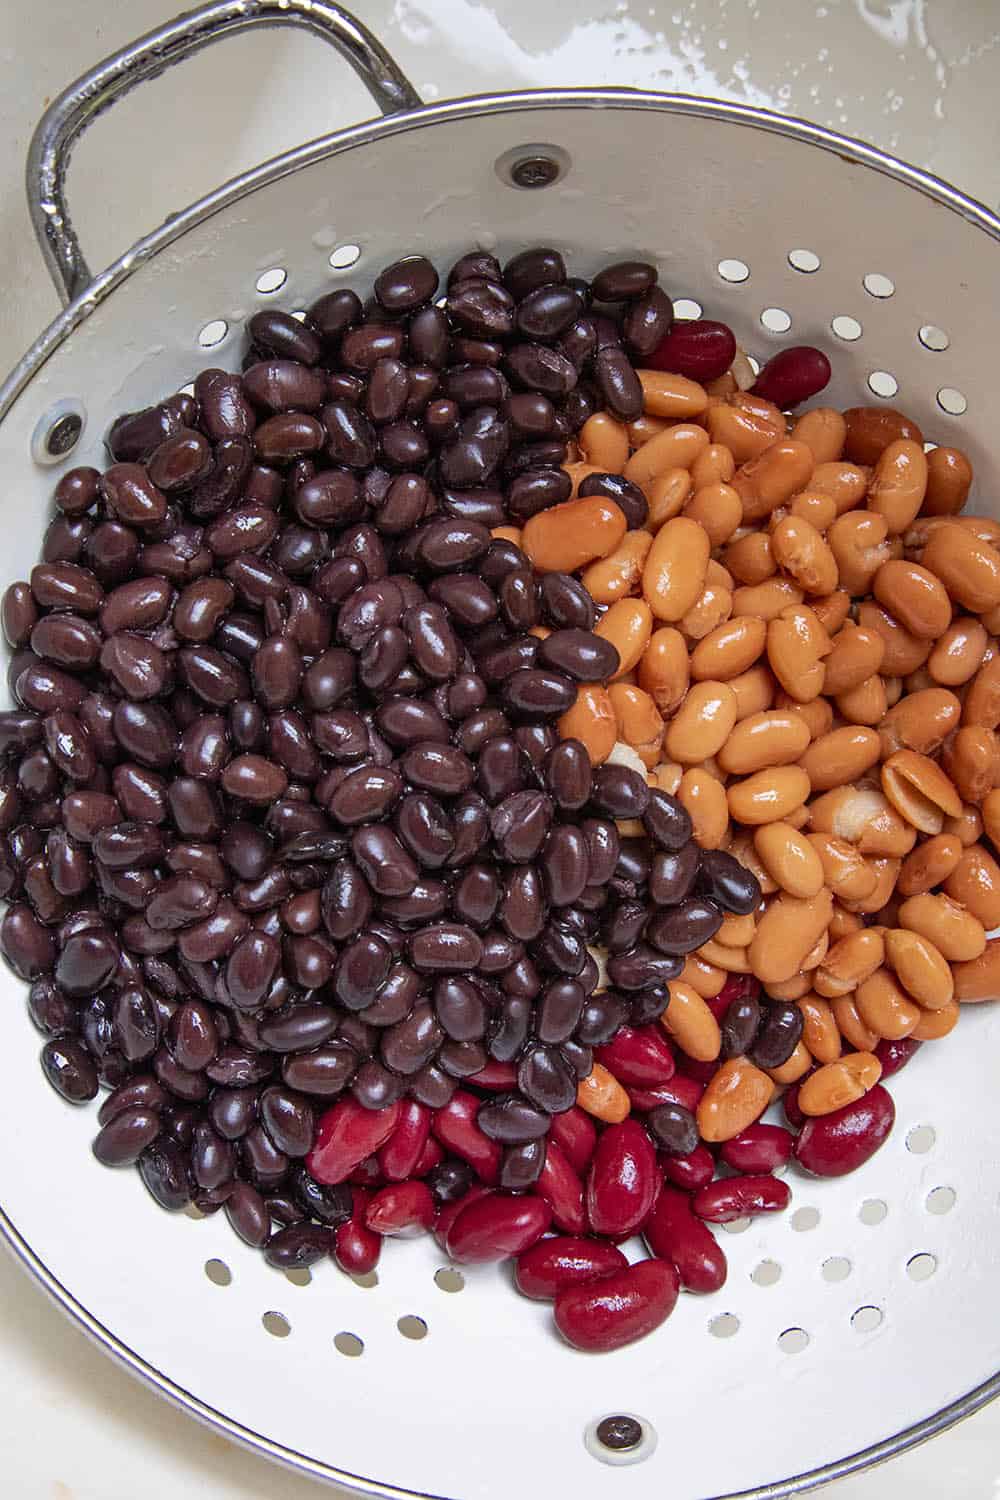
673, 1233
842, 1140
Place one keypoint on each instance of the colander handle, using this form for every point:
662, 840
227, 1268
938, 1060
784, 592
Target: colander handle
68, 116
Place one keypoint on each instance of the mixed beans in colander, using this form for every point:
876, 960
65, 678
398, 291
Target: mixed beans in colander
468, 765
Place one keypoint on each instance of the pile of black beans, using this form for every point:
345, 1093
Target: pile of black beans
284, 807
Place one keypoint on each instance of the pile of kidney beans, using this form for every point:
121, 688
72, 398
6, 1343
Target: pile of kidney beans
299, 869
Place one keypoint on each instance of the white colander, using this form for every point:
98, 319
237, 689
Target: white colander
863, 1320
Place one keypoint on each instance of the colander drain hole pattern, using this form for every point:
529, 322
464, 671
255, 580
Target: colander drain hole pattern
733, 273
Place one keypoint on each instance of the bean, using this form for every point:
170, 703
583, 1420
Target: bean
699, 349
70, 1070
968, 568
740, 1197
844, 1139
601, 1095
949, 479
674, 572
955, 932
622, 1182
691, 1023
703, 723
735, 1097
638, 1057
673, 1233
615, 1310
768, 796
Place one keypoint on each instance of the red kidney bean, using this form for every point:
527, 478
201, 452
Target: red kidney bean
674, 1234
700, 349
622, 1182
740, 1197
562, 1189
356, 1248
793, 375
495, 1227
543, 1270
758, 1148
455, 1127
616, 1310
345, 1136
451, 1186
680, 1089
689, 1172
402, 1208
399, 1157
494, 1077
639, 1057
431, 1157
895, 1055
834, 1144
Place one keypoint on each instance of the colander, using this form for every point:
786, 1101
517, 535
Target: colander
862, 1321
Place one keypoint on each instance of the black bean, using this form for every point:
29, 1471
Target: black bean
740, 1025
247, 1214
674, 1129
536, 489
540, 368
539, 693
298, 1246
481, 307
618, 383
450, 1180
460, 1008
509, 1028
445, 947
325, 1070
522, 1166
627, 496
520, 824
642, 967
684, 927
728, 883
522, 910
163, 1168
672, 874
288, 1120
544, 1078
476, 895
564, 864
579, 654
623, 281
375, 1087
778, 1036
620, 792
548, 311
122, 1141
70, 1069
647, 322
533, 268
600, 1017
666, 820
560, 1010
